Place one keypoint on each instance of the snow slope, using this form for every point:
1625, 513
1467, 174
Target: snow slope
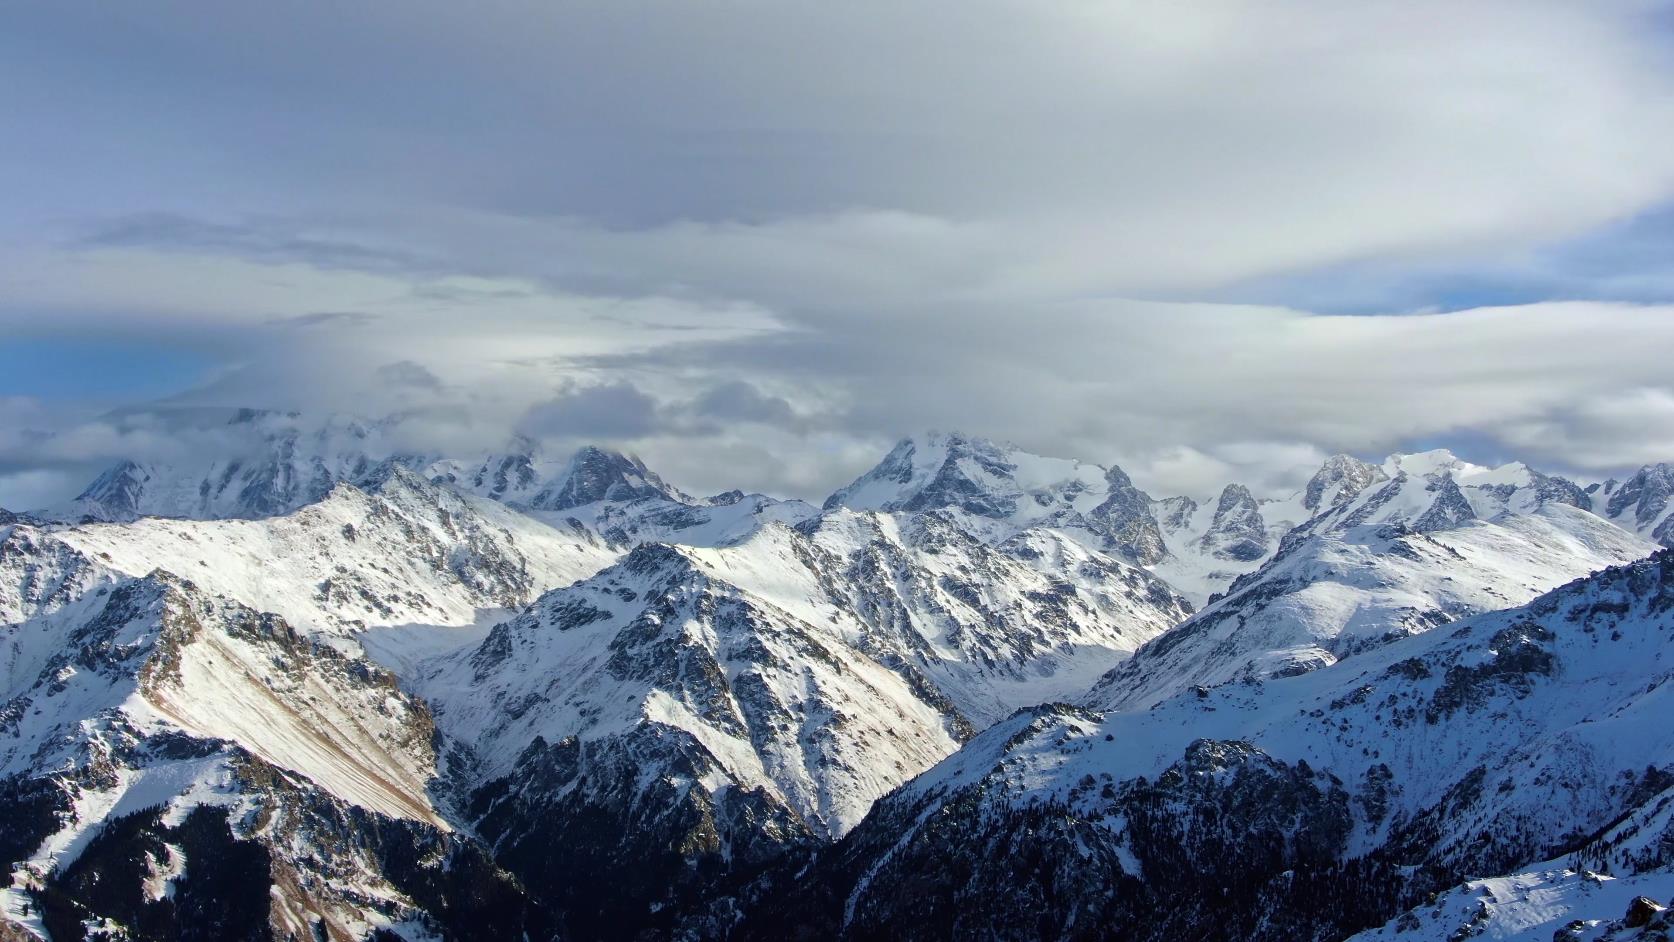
1402, 557
1547, 902
1301, 807
903, 624
1005, 484
1211, 544
398, 551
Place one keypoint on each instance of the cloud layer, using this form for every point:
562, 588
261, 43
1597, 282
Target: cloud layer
756, 242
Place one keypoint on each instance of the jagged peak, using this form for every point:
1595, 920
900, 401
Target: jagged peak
595, 474
982, 476
1339, 480
1233, 497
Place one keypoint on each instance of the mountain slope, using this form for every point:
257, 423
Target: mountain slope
698, 714
674, 733
1402, 557
1550, 902
397, 551
175, 761
1005, 484
1296, 808
994, 627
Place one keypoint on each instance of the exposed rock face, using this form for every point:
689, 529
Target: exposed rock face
1449, 509
504, 476
1126, 522
1647, 493
1003, 483
1238, 531
1554, 489
954, 484
1641, 911
1339, 481
597, 475
1644, 503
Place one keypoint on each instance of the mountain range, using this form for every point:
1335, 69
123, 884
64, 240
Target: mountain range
320, 687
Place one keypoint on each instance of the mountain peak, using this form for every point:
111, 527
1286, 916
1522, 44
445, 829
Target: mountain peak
1427, 464
937, 470
1004, 482
595, 474
1644, 503
1339, 480
1238, 530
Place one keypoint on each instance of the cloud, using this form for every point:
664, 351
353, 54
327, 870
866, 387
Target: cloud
1095, 147
611, 411
768, 239
740, 401
406, 373
325, 318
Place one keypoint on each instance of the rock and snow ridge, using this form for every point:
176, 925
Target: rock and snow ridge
1403, 557
912, 610
1644, 503
811, 669
697, 691
254, 776
1006, 484
1304, 807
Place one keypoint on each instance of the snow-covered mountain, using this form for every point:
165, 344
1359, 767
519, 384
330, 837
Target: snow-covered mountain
256, 463
366, 690
396, 550
1644, 503
1303, 807
1001, 490
276, 463
1412, 553
179, 764
746, 702
1012, 487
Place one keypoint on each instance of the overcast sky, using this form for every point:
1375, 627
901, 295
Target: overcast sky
757, 242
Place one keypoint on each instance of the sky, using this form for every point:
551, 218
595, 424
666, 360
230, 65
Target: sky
756, 243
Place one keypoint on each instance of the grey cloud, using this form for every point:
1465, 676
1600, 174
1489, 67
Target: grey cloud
768, 261
409, 374
609, 411
276, 240
1068, 148
741, 401
1248, 392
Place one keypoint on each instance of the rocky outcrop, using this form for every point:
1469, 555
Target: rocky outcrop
1125, 520
1238, 530
1338, 481
1449, 509
597, 475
